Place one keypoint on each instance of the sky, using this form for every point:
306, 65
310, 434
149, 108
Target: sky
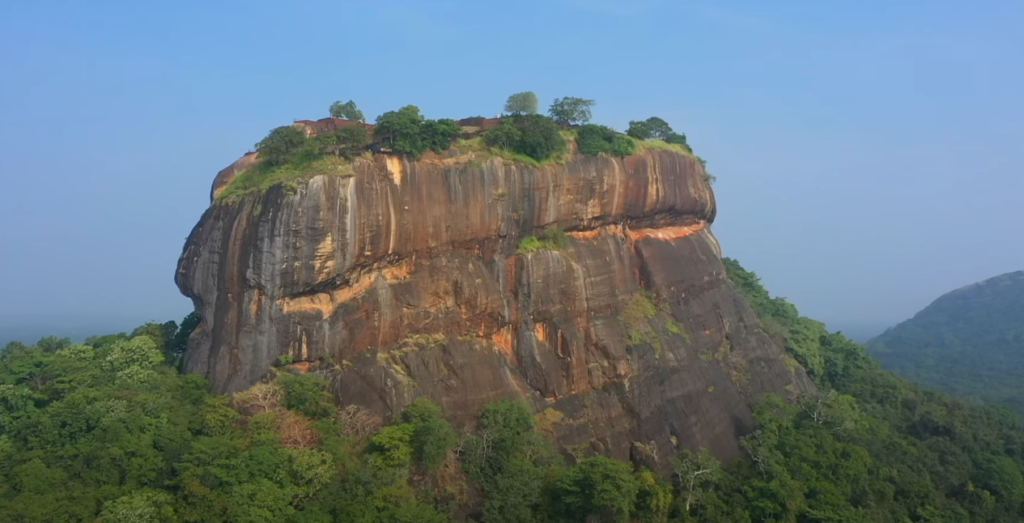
867, 152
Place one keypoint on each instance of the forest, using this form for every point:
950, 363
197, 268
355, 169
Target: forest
968, 342
109, 430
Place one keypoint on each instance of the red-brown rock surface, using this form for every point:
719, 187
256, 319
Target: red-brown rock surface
406, 276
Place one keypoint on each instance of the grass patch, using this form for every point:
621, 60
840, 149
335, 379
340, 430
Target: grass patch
477, 145
470, 145
260, 177
660, 145
637, 316
547, 418
553, 239
639, 310
676, 328
425, 340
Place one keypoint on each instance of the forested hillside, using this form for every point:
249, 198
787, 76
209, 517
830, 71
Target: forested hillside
109, 430
969, 342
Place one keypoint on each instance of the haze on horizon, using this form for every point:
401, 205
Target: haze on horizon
867, 153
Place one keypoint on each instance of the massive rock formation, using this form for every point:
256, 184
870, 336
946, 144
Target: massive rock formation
404, 281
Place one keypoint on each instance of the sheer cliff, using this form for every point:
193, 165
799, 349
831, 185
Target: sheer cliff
406, 278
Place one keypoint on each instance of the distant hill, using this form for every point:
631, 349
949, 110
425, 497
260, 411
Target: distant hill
969, 342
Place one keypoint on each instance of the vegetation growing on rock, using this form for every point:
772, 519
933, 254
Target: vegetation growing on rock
596, 139
290, 154
552, 239
532, 135
406, 131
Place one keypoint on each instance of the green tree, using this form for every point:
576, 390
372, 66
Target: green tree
179, 343
307, 393
53, 344
571, 110
597, 489
438, 135
347, 141
162, 334
133, 360
143, 506
652, 128
540, 138
596, 139
653, 499
640, 130
522, 103
401, 130
347, 110
676, 138
391, 447
432, 436
282, 145
505, 135
695, 473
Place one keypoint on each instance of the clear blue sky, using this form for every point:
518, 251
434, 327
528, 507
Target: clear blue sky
868, 152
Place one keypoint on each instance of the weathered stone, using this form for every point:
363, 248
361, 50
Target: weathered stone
406, 277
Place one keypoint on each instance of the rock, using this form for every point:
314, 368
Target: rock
404, 281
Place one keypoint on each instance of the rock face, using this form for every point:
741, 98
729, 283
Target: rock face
404, 281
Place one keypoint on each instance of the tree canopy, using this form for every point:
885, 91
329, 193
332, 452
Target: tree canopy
532, 135
571, 110
282, 145
968, 342
652, 128
347, 110
596, 139
522, 103
108, 430
406, 131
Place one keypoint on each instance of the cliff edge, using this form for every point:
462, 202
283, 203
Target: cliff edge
408, 278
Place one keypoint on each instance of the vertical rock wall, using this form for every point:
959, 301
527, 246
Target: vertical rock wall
404, 281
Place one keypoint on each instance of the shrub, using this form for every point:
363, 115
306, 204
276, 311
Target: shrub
505, 135
282, 145
596, 139
680, 140
438, 135
540, 137
553, 239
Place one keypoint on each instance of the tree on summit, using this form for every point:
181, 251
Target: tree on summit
652, 128
282, 145
571, 110
522, 103
347, 110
